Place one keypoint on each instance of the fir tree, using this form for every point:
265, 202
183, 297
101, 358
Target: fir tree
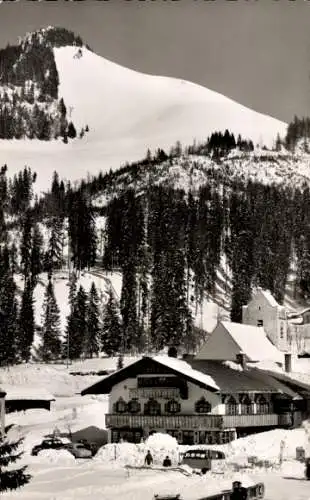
36, 257
11, 479
26, 323
8, 309
91, 345
51, 343
26, 246
77, 325
71, 131
111, 331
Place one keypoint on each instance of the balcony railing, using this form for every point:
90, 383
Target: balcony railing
232, 421
212, 422
165, 421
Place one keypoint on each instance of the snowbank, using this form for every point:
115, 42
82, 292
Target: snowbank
266, 445
54, 457
160, 445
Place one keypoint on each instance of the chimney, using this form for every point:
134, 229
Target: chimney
172, 352
241, 359
288, 362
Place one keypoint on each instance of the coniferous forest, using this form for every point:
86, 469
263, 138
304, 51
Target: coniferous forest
167, 242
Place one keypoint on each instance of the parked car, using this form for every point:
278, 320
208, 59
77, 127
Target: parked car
202, 459
78, 450
48, 444
93, 447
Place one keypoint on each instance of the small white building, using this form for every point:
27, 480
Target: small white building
229, 340
264, 311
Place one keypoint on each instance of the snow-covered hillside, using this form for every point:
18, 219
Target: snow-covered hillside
128, 112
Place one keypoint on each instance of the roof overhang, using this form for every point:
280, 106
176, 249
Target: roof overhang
131, 371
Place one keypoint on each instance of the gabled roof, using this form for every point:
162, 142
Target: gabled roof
173, 365
269, 297
214, 376
235, 381
253, 342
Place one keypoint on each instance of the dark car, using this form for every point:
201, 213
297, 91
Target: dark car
78, 450
48, 444
93, 447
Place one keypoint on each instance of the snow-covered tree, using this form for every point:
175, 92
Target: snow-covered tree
11, 479
111, 332
91, 345
51, 343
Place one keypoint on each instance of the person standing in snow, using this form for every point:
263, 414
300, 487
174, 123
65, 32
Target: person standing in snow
148, 458
167, 462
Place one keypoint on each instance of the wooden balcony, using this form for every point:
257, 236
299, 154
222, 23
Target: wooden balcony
233, 421
165, 421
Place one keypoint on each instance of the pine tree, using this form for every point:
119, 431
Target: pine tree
26, 246
77, 325
26, 323
71, 131
36, 265
91, 345
51, 343
8, 308
11, 479
111, 331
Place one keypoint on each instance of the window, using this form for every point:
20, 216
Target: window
203, 406
260, 322
281, 331
246, 405
120, 406
152, 407
262, 406
172, 406
134, 406
232, 406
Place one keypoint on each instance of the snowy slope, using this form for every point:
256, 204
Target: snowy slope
128, 112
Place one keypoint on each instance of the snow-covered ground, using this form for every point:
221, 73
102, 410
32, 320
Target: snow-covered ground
128, 112
56, 475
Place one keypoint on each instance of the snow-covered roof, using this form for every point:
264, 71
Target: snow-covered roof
177, 366
185, 368
24, 392
269, 297
296, 320
253, 342
232, 379
295, 314
294, 377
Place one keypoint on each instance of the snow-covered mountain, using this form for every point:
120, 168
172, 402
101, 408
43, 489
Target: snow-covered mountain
127, 112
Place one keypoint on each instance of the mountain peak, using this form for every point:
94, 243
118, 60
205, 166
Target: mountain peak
51, 36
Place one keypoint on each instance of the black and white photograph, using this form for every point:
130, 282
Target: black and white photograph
155, 249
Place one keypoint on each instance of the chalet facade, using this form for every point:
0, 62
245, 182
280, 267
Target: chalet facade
197, 401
